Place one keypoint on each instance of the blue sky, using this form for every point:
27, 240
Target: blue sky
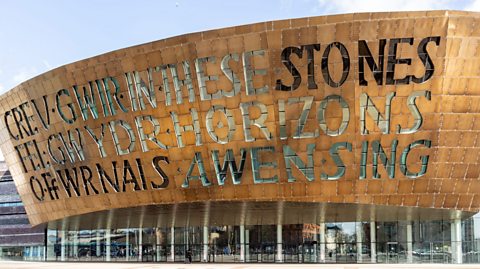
37, 36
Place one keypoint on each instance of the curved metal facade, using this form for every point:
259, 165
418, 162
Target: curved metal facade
371, 108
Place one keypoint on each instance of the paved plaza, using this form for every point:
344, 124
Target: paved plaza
76, 265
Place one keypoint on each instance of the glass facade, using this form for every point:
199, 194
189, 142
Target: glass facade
22, 253
331, 242
18, 240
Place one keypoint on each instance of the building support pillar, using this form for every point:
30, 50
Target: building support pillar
456, 235
108, 249
242, 243
186, 230
127, 248
158, 235
359, 237
75, 244
279, 243
172, 243
62, 245
321, 233
98, 250
140, 244
315, 246
46, 248
205, 243
409, 242
247, 245
373, 242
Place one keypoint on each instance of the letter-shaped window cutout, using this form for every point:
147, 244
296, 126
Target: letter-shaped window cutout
291, 157
345, 115
230, 121
424, 159
338, 161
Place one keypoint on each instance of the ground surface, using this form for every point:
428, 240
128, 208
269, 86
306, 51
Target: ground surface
60, 265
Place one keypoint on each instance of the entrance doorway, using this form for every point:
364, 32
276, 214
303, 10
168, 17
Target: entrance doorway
392, 252
147, 253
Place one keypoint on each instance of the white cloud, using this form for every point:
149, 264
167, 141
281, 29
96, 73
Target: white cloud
23, 75
47, 64
2, 88
350, 6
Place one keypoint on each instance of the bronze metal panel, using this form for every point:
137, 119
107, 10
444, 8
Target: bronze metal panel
241, 109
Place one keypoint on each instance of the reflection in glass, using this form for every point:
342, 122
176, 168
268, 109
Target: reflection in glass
332, 242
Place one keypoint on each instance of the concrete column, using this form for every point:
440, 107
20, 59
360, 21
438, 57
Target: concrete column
157, 243
373, 242
127, 248
315, 246
454, 239
321, 234
456, 235
409, 242
358, 233
62, 245
172, 243
205, 243
279, 243
140, 244
75, 244
108, 252
98, 250
242, 243
185, 237
247, 245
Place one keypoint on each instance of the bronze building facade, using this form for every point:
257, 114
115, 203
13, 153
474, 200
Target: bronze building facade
345, 138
